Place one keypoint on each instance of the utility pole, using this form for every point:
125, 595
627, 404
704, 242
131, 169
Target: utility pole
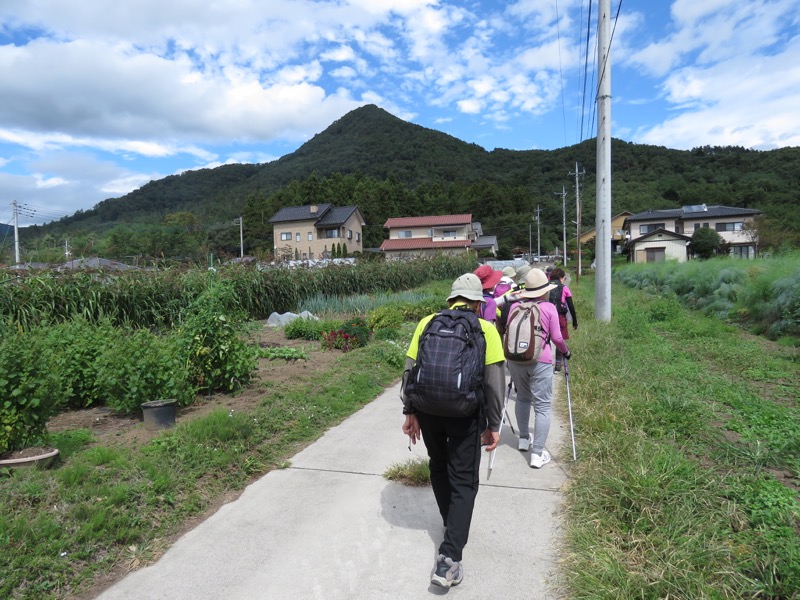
578, 217
563, 195
240, 223
602, 298
16, 231
538, 235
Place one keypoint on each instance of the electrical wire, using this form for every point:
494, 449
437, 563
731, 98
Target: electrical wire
561, 74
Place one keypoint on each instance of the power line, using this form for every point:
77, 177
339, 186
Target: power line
561, 74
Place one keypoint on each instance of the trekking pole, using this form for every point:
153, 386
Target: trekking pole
505, 408
569, 407
502, 420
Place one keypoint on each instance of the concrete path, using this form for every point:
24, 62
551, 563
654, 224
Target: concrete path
331, 527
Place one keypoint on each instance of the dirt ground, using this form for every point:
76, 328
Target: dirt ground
110, 427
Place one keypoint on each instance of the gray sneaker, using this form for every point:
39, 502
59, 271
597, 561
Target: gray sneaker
447, 572
524, 443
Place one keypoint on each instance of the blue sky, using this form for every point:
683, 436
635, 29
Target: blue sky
96, 102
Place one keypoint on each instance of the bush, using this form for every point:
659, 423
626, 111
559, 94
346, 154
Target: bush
29, 391
308, 329
211, 343
353, 333
73, 348
389, 316
140, 367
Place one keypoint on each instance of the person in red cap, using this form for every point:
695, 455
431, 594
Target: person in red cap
489, 279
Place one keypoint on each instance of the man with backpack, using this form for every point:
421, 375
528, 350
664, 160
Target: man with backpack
528, 327
453, 396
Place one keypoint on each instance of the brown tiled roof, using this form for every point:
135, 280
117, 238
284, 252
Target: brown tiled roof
435, 221
422, 244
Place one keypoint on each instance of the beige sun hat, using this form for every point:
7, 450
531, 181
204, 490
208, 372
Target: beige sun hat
509, 272
522, 272
467, 286
536, 284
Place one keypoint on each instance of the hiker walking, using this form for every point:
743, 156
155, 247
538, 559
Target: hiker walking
453, 395
561, 297
489, 279
533, 377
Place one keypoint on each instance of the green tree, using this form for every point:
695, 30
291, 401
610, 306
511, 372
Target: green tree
705, 242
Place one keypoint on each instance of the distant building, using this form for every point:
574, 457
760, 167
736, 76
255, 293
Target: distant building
617, 231
657, 235
411, 237
310, 232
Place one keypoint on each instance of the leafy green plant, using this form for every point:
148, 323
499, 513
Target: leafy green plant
308, 328
139, 367
284, 353
74, 348
29, 391
353, 333
216, 355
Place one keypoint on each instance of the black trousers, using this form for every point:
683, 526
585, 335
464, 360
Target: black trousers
454, 448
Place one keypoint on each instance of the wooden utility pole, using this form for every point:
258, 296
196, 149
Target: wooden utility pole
602, 299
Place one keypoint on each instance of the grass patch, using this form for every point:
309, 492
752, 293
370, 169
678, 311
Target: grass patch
415, 472
683, 423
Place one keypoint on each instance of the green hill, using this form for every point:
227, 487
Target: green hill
389, 167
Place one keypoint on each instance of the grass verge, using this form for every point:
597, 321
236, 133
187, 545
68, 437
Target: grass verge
688, 431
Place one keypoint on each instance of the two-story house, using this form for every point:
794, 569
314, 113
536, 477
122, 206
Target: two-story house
657, 235
411, 237
309, 232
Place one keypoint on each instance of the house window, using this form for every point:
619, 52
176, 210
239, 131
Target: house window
650, 228
331, 233
358, 236
310, 236
743, 251
705, 225
286, 237
449, 233
404, 234
696, 226
349, 234
655, 254
297, 238
729, 226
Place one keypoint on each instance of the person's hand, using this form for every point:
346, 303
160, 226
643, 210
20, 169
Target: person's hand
411, 428
574, 326
490, 439
568, 355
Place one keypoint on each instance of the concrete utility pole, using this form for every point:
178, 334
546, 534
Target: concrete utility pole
578, 217
602, 298
538, 234
240, 223
16, 231
563, 195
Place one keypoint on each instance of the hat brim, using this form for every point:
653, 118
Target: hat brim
467, 295
537, 292
492, 280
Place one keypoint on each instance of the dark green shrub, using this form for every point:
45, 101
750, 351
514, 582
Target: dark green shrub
139, 367
73, 348
389, 316
354, 333
303, 329
212, 345
29, 391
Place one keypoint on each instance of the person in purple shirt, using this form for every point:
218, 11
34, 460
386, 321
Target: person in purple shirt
489, 279
534, 382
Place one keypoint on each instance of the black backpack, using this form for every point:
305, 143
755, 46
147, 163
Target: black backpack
556, 297
447, 377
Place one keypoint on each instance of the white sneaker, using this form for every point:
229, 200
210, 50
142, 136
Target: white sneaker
525, 443
540, 460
